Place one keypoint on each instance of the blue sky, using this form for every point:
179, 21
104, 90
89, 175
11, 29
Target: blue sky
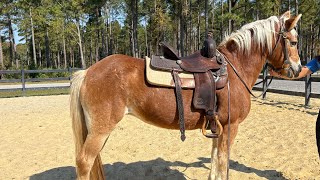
17, 38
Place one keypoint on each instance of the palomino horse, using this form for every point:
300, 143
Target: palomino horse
116, 85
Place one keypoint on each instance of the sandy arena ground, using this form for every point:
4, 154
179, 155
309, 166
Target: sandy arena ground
276, 141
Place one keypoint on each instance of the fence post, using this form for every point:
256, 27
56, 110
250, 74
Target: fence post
307, 88
23, 81
70, 74
265, 81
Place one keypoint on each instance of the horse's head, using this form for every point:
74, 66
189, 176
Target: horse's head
284, 57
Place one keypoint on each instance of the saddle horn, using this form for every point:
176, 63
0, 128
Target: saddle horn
209, 48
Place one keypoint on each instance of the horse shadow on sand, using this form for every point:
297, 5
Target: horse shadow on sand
152, 170
289, 106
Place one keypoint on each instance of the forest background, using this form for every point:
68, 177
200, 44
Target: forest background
57, 34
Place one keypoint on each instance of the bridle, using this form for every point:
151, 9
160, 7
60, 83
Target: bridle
282, 36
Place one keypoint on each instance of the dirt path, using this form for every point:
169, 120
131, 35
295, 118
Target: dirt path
276, 141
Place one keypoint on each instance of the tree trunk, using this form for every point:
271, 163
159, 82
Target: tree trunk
64, 52
221, 23
71, 57
107, 37
47, 49
54, 60
206, 16
12, 43
134, 12
257, 10
28, 53
111, 39
300, 37
40, 56
198, 28
83, 63
212, 12
34, 55
190, 48
232, 4
97, 52
90, 54
182, 27
146, 37
312, 41
1, 54
230, 20
101, 30
58, 58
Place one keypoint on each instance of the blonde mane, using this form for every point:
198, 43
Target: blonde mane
259, 32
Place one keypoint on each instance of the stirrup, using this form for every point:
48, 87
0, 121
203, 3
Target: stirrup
212, 134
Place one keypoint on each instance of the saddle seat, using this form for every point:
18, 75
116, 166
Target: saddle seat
194, 63
210, 73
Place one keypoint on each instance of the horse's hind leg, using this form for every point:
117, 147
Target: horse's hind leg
99, 125
89, 154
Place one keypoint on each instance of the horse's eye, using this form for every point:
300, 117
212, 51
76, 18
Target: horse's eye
293, 43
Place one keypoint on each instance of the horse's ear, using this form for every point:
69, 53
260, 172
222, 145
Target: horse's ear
232, 45
292, 22
285, 15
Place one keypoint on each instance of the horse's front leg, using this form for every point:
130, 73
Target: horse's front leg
214, 160
219, 156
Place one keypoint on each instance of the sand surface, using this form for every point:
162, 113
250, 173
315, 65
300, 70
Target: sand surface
276, 141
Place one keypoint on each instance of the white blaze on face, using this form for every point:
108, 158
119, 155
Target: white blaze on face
295, 64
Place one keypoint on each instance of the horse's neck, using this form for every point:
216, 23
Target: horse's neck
248, 66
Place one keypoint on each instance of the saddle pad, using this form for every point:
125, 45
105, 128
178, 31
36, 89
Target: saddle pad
164, 78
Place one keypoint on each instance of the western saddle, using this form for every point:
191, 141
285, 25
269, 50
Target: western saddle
210, 73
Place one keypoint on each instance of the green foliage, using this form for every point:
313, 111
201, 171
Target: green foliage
105, 27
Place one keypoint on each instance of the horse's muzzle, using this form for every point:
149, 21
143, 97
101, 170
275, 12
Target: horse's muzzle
292, 72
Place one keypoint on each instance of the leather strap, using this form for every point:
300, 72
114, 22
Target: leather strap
179, 99
245, 85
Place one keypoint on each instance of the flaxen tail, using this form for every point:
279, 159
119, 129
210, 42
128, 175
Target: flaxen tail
80, 131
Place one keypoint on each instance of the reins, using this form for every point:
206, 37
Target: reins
241, 79
228, 130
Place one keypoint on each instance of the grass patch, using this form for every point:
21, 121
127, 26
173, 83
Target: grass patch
35, 92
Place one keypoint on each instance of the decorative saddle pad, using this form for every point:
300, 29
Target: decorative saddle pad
164, 78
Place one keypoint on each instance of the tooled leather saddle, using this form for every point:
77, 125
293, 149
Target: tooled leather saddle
210, 73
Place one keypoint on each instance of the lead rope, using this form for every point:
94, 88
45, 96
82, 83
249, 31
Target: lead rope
228, 131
